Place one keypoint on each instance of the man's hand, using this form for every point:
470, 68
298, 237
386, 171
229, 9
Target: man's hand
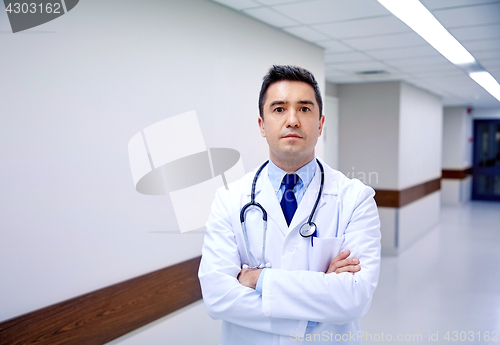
341, 263
249, 276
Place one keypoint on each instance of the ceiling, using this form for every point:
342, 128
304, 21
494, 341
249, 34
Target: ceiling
362, 36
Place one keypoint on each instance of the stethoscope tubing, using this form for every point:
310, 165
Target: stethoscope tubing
264, 216
313, 212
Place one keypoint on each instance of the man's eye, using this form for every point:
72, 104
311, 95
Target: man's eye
279, 110
305, 109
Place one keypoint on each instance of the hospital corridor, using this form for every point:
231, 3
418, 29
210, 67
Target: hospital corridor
446, 284
240, 172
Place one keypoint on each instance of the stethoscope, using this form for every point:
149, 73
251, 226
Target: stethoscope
307, 229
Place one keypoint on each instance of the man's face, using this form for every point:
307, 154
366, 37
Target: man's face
292, 123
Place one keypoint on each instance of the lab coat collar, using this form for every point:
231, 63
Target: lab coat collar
331, 186
331, 182
266, 196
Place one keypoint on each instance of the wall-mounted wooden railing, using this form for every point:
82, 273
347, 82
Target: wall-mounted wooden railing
400, 198
456, 174
106, 314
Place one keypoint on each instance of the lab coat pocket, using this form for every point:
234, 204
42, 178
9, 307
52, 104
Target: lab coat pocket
323, 251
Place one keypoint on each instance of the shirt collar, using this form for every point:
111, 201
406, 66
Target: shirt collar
306, 174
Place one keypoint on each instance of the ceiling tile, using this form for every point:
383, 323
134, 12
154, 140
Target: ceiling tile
335, 76
494, 70
491, 64
467, 89
415, 62
323, 11
438, 73
346, 57
496, 75
446, 80
334, 72
307, 33
238, 4
359, 66
487, 55
476, 32
407, 52
276, 2
435, 4
425, 85
333, 46
363, 27
387, 41
479, 45
487, 101
466, 16
470, 91
344, 80
361, 35
271, 17
416, 69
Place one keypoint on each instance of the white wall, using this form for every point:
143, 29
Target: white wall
394, 130
457, 130
455, 192
389, 227
457, 154
420, 136
369, 132
420, 142
416, 219
331, 131
73, 92
189, 325
331, 89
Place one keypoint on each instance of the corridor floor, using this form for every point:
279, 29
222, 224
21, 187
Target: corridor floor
445, 288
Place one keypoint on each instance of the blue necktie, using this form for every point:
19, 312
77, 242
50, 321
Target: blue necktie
288, 201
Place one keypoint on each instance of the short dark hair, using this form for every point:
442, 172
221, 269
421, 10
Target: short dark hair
289, 73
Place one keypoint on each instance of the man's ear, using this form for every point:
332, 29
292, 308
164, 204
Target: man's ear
261, 126
321, 124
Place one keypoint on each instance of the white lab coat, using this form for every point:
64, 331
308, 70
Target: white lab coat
296, 289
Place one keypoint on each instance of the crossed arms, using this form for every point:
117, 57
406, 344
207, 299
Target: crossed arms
337, 298
341, 263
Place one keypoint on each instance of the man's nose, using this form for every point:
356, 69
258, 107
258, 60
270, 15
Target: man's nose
292, 120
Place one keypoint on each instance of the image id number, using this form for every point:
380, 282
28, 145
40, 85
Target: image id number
33, 8
471, 336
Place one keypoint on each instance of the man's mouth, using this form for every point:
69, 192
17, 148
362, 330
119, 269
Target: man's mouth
292, 135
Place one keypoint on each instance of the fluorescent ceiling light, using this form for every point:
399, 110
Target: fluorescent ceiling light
418, 18
487, 81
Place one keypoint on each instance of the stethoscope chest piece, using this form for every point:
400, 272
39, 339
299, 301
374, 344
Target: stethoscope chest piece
307, 229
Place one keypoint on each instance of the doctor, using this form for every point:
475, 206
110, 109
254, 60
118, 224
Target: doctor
308, 289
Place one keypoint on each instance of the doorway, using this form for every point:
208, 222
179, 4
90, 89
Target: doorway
486, 168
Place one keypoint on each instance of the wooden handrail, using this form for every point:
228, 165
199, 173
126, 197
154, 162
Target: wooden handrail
400, 198
108, 313
456, 174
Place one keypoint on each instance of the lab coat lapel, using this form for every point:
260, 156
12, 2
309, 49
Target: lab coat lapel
266, 196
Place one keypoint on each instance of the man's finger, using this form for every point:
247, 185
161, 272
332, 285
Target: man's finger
350, 268
336, 259
346, 262
338, 264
